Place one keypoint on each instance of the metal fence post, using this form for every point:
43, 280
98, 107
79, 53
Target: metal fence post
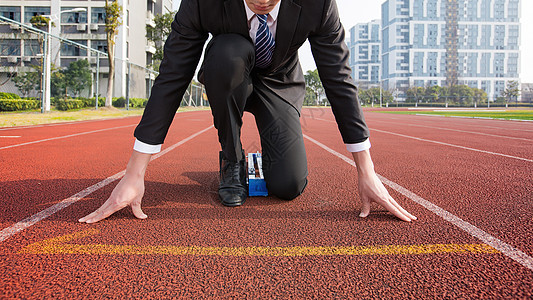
128, 87
43, 73
97, 78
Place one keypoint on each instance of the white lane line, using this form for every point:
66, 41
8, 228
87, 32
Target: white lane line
452, 145
442, 143
476, 124
463, 131
9, 136
30, 221
508, 250
65, 136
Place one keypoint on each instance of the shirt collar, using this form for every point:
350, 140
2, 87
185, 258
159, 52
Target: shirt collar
250, 14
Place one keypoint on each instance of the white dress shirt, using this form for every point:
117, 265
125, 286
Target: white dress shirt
253, 25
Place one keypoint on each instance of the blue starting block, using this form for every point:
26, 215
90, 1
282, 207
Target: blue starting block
256, 180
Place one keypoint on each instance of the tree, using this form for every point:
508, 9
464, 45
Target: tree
159, 35
313, 84
27, 82
512, 91
461, 94
113, 12
433, 93
480, 96
78, 76
41, 22
415, 94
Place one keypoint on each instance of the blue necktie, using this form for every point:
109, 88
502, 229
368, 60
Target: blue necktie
264, 44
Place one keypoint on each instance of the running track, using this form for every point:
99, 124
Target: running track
469, 182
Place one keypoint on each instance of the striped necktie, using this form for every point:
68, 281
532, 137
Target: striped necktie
264, 44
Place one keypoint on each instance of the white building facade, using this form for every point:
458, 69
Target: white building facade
365, 52
86, 28
443, 42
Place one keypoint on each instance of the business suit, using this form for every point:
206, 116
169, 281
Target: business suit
298, 20
278, 88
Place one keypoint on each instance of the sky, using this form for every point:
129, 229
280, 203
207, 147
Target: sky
362, 11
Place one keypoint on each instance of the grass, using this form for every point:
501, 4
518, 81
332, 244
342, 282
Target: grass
492, 114
10, 119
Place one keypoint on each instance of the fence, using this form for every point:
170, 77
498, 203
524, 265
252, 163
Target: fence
35, 64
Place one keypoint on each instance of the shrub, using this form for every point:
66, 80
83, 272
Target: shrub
119, 102
4, 95
69, 104
138, 102
15, 105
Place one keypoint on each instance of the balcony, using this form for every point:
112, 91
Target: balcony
150, 19
150, 46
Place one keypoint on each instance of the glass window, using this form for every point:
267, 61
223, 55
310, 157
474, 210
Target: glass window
9, 47
31, 47
99, 45
73, 50
10, 12
31, 11
98, 15
73, 17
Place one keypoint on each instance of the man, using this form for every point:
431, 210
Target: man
251, 64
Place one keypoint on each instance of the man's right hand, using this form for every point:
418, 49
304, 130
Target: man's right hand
128, 192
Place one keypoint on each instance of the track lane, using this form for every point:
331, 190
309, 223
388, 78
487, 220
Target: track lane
490, 192
183, 209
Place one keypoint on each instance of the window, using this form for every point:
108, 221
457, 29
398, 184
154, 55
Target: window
99, 45
9, 47
32, 11
10, 12
73, 17
72, 50
31, 47
98, 15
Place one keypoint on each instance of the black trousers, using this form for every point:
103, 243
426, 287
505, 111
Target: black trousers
232, 88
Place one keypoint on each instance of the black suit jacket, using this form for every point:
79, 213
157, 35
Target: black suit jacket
298, 20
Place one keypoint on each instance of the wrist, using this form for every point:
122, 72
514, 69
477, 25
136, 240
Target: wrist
363, 162
137, 164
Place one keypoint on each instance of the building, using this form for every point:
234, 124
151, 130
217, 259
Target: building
86, 27
447, 42
527, 92
365, 53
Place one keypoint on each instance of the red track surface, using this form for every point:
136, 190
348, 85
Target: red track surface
491, 190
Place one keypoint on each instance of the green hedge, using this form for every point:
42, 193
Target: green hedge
14, 105
134, 102
4, 95
69, 104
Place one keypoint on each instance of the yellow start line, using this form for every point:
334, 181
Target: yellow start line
59, 245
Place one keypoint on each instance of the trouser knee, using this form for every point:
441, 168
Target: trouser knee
286, 189
229, 59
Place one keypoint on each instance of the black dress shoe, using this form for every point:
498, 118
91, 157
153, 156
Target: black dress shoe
232, 188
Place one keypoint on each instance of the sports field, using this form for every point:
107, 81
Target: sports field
469, 182
472, 113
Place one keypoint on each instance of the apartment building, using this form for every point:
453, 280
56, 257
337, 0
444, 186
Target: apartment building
85, 27
444, 42
365, 53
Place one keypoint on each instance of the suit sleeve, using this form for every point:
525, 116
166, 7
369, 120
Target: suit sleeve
182, 52
331, 57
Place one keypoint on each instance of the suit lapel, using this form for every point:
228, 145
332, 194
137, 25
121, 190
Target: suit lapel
235, 18
289, 14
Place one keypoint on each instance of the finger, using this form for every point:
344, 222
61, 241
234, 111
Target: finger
365, 210
395, 211
102, 215
137, 211
401, 209
89, 216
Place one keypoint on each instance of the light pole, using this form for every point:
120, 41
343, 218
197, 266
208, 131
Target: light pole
47, 60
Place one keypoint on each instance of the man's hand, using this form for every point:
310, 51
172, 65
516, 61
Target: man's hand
371, 189
128, 192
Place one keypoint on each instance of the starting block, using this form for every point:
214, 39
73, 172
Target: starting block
256, 180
